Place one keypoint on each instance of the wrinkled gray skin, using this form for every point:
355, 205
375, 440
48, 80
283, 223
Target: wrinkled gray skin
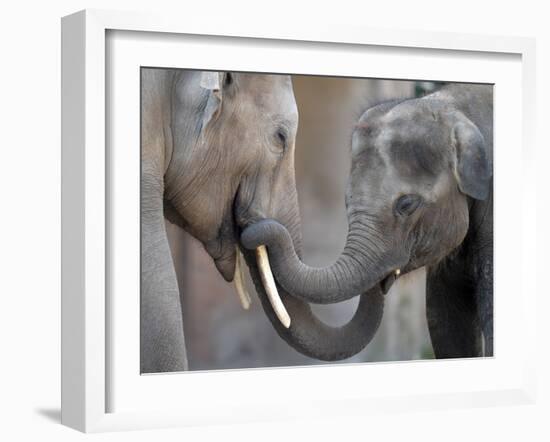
214, 161
419, 194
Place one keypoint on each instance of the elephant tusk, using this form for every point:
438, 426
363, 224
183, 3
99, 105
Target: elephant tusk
244, 296
397, 272
269, 284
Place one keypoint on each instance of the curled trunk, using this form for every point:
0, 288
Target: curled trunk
310, 336
366, 260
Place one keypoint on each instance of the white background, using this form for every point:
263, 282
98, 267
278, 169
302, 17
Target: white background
260, 391
30, 216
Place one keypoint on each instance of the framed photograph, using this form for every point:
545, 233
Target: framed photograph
266, 222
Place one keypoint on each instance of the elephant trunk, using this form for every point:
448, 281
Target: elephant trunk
367, 259
311, 337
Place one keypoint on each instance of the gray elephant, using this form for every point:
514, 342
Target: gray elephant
419, 194
218, 155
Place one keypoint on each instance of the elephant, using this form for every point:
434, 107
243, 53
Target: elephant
217, 155
419, 194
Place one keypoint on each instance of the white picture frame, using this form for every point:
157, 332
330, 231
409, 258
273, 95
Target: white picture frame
87, 353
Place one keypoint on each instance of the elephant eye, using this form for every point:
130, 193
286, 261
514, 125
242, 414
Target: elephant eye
281, 138
407, 204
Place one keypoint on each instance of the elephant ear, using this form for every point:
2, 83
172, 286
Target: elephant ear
212, 81
472, 165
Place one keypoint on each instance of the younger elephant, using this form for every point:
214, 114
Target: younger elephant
419, 194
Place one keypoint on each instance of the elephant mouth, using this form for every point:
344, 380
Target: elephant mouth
389, 279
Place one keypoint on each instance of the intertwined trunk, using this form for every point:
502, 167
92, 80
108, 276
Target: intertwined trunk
366, 260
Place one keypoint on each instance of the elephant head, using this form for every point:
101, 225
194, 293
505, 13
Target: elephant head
233, 158
231, 165
417, 166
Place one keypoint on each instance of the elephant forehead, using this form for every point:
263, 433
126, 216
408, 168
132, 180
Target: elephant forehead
263, 79
275, 100
263, 84
412, 149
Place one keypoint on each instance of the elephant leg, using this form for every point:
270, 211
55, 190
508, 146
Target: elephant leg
162, 343
452, 318
484, 298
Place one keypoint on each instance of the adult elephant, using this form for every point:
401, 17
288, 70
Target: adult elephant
419, 194
217, 155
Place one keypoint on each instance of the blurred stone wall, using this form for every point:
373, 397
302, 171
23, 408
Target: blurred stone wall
219, 334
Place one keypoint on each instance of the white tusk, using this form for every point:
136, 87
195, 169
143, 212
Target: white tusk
244, 297
270, 287
397, 272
